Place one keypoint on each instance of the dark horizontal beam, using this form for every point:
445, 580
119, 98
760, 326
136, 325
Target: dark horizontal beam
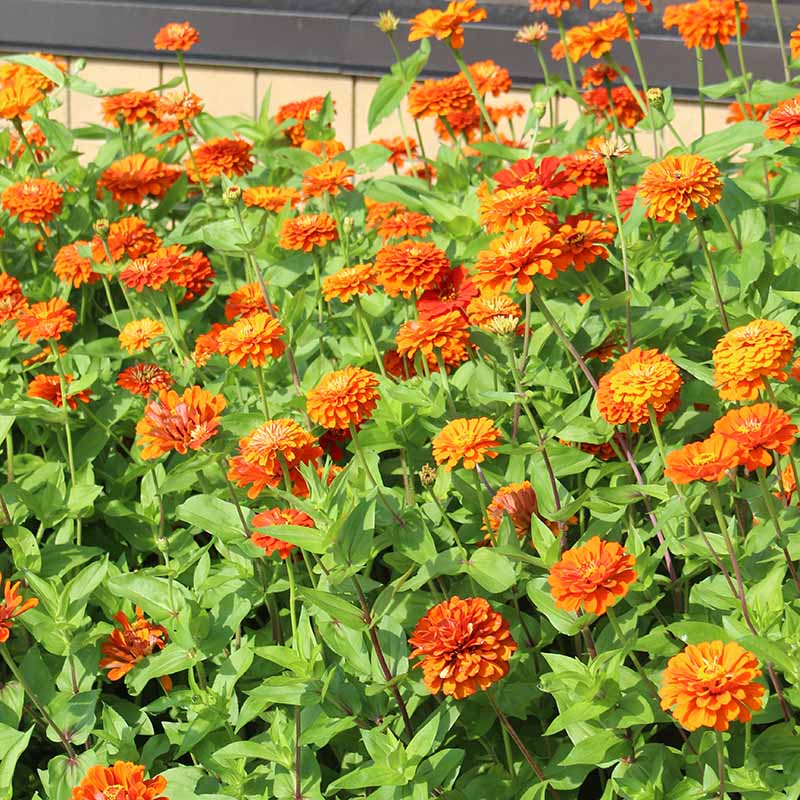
334, 36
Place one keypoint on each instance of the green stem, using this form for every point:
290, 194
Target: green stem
781, 42
712, 273
478, 99
445, 382
262, 390
182, 65
612, 190
546, 75
362, 317
769, 501
637, 57
740, 50
107, 289
65, 410
190, 153
729, 227
318, 281
10, 457
562, 32
292, 601
176, 320
362, 457
720, 763
698, 51
17, 123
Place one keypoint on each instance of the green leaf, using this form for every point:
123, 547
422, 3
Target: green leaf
373, 775
724, 143
151, 593
725, 89
215, 516
337, 608
173, 658
492, 571
394, 87
431, 735
562, 621
47, 68
13, 744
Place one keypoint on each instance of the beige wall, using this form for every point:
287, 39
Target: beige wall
229, 90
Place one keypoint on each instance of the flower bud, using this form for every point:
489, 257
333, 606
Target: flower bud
162, 543
539, 110
503, 326
655, 98
387, 22
427, 475
231, 195
101, 226
348, 223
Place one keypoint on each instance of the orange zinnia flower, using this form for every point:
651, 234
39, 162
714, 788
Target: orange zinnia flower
553, 7
675, 184
596, 37
622, 104
710, 684
12, 300
219, 156
469, 439
447, 24
252, 339
707, 22
138, 333
465, 646
398, 366
518, 500
745, 355
452, 291
277, 516
48, 387
638, 381
440, 98
128, 236
36, 200
246, 300
329, 177
23, 75
206, 344
739, 112
348, 282
123, 780
271, 198
36, 139
299, 112
409, 267
72, 268
584, 241
179, 106
127, 646
12, 606
377, 213
176, 36
343, 398
445, 334
708, 460
179, 422
142, 379
784, 122
135, 177
16, 100
592, 576
46, 320
586, 167
490, 78
530, 250
324, 148
757, 430
482, 310
503, 209
144, 273
133, 107
630, 6
405, 224
399, 149
307, 232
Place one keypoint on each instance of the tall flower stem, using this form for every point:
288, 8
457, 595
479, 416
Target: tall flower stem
701, 237
62, 379
401, 121
107, 290
562, 33
612, 190
481, 492
262, 390
781, 42
506, 723
362, 317
716, 503
526, 335
318, 282
17, 123
698, 52
445, 382
740, 50
478, 99
769, 501
17, 673
637, 58
546, 75
190, 153
182, 65
363, 459
720, 763
378, 650
729, 228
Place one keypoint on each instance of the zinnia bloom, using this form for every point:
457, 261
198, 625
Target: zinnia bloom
738, 112
707, 22
440, 98
179, 106
138, 333
179, 422
206, 344
469, 439
343, 398
675, 184
530, 250
329, 177
503, 209
549, 174
710, 684
46, 320
584, 241
176, 36
597, 37
586, 167
553, 7
592, 576
399, 149
252, 339
348, 282
48, 387
12, 300
757, 430
16, 100
784, 122
299, 112
142, 379
123, 780
72, 268
135, 177
405, 224
745, 355
481, 311
36, 200
277, 516
219, 156
639, 380
453, 291
447, 24
246, 300
128, 236
307, 232
133, 107
127, 646
518, 500
271, 198
409, 267
12, 606
708, 460
445, 334
465, 646
490, 78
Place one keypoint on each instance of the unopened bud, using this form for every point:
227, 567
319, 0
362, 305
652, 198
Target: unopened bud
313, 115
101, 226
162, 544
539, 110
427, 475
231, 195
387, 22
655, 98
503, 326
348, 223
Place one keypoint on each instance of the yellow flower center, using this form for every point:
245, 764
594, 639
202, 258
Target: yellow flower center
113, 792
702, 459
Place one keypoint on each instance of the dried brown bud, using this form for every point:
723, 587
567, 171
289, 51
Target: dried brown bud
655, 98
427, 475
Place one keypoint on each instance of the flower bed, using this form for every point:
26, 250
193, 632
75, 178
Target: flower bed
386, 473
